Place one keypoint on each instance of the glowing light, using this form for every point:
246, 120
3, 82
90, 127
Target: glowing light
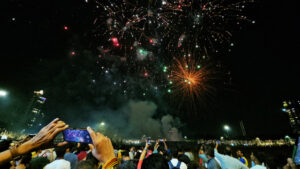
66, 28
146, 74
114, 40
150, 41
3, 93
165, 69
73, 53
102, 124
226, 127
169, 90
40, 92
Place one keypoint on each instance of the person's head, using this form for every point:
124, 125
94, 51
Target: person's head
86, 164
131, 164
132, 149
38, 163
174, 152
184, 158
227, 151
209, 152
239, 153
90, 157
72, 158
125, 156
155, 161
60, 151
257, 157
84, 147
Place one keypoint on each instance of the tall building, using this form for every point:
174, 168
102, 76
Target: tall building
292, 108
34, 111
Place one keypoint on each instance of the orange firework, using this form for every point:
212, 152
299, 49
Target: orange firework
189, 79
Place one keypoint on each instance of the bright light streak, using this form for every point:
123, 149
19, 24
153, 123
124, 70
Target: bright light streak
3, 93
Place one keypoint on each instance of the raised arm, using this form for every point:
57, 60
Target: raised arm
45, 135
142, 156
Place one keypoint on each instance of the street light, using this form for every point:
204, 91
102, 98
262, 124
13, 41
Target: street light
227, 129
3, 93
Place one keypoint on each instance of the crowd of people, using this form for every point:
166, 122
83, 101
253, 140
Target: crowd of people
40, 152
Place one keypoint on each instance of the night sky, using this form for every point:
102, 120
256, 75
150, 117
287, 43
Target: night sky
36, 53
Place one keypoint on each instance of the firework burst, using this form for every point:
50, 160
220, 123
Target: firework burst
190, 81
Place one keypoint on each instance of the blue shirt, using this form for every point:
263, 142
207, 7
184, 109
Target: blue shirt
228, 162
213, 164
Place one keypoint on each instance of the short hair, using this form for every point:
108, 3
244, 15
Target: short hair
260, 156
60, 151
86, 164
184, 158
174, 152
125, 153
209, 150
130, 164
155, 161
227, 151
38, 162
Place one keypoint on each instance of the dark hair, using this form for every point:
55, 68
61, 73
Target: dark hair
38, 163
174, 152
209, 150
86, 164
90, 157
60, 151
125, 153
184, 158
227, 151
130, 164
84, 147
4, 145
155, 161
260, 156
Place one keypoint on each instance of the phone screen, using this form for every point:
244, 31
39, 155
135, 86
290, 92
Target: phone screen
77, 135
148, 141
161, 140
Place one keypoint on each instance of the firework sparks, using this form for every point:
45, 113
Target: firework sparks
189, 79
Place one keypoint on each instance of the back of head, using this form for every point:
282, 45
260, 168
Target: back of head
86, 164
227, 151
155, 161
130, 164
209, 151
60, 151
184, 158
174, 152
72, 158
38, 163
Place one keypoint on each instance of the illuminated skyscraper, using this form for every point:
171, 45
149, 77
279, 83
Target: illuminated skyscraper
292, 108
34, 110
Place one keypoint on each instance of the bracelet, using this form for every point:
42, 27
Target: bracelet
13, 151
111, 164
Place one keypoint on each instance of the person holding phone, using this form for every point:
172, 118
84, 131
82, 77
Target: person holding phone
44, 136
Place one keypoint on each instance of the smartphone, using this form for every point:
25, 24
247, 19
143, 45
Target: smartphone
161, 140
149, 141
77, 135
218, 141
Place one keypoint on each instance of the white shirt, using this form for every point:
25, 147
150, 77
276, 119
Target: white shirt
59, 164
258, 167
174, 162
228, 162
